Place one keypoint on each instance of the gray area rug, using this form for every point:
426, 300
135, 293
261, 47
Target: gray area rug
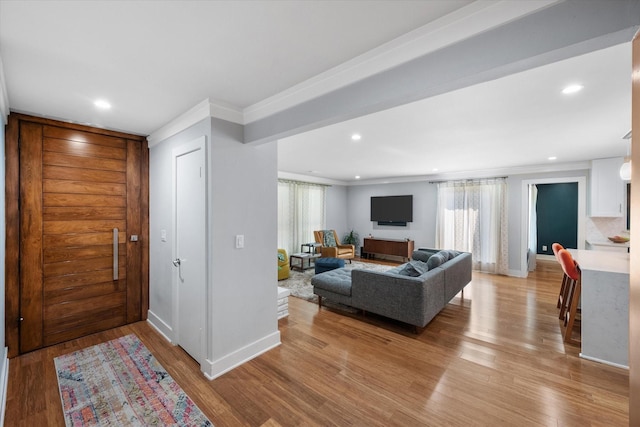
299, 282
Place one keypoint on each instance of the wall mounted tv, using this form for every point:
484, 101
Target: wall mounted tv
392, 210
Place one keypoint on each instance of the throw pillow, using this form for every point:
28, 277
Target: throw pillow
329, 239
453, 254
421, 255
436, 261
409, 270
280, 257
419, 266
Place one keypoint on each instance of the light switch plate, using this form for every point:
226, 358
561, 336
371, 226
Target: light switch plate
239, 241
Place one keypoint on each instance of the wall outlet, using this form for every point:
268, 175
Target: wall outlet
544, 248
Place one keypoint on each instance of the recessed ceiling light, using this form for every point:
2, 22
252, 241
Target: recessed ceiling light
102, 104
552, 158
572, 89
357, 176
356, 137
435, 169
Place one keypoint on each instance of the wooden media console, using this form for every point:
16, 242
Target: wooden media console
373, 246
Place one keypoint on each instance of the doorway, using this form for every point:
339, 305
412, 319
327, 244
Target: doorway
528, 246
190, 250
557, 216
77, 214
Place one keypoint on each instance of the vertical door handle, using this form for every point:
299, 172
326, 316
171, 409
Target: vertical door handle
115, 254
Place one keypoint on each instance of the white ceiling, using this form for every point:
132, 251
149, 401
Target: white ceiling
155, 60
516, 121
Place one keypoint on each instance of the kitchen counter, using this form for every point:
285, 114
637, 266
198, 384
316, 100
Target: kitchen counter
605, 306
607, 245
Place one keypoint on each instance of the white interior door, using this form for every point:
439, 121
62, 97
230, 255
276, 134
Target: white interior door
190, 246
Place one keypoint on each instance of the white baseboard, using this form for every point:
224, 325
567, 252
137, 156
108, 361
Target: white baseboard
4, 380
606, 362
518, 273
160, 325
214, 369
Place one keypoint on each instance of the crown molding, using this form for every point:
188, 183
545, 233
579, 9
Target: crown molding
480, 173
310, 178
200, 111
461, 24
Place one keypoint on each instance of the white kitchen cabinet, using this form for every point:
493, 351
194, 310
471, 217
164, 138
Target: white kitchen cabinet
607, 188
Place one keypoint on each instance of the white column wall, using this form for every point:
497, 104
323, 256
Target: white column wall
242, 199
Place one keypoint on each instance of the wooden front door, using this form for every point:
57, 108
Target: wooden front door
81, 234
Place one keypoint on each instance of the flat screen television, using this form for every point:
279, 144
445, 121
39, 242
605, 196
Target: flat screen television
392, 210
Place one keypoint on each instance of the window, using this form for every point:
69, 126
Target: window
301, 210
472, 217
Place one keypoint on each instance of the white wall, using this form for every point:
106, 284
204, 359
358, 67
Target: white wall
421, 230
244, 195
161, 269
241, 291
336, 209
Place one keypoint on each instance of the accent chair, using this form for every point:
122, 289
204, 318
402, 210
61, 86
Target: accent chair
331, 246
283, 265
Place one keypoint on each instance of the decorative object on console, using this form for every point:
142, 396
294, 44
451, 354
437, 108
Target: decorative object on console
618, 239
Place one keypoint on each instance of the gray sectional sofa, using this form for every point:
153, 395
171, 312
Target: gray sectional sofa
412, 293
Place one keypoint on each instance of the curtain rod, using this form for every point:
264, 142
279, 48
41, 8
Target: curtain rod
468, 180
293, 181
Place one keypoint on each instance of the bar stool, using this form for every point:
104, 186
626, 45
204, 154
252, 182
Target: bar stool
573, 289
557, 247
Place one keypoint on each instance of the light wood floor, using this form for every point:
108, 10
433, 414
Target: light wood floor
492, 358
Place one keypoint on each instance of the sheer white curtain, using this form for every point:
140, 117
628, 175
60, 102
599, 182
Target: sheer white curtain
301, 210
472, 217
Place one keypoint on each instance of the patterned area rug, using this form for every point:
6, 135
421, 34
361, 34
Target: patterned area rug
120, 383
299, 282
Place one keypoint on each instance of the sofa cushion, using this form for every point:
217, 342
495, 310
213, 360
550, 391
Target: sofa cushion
436, 260
337, 281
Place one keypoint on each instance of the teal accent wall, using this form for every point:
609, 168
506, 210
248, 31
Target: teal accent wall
557, 213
